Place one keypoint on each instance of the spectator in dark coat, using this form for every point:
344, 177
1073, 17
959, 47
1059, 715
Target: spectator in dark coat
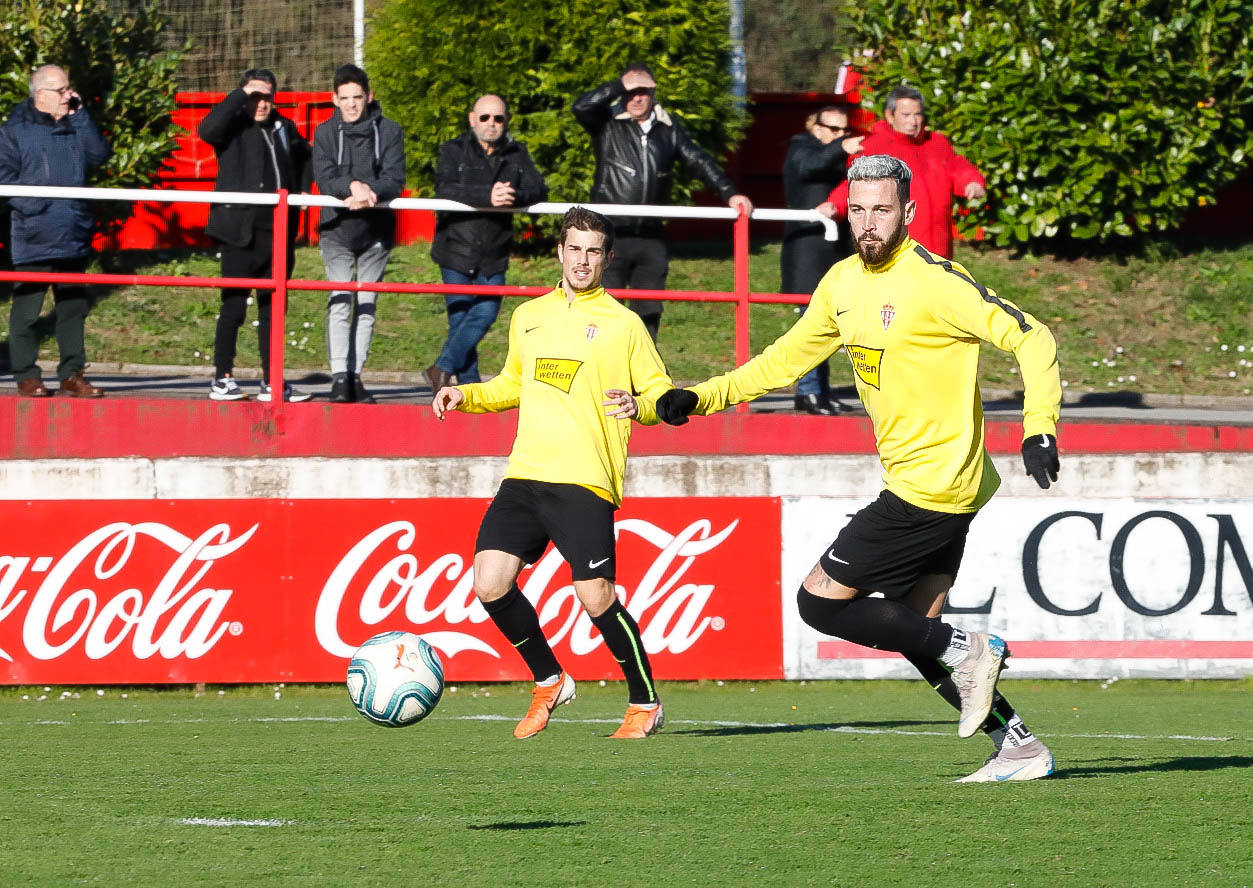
816, 162
483, 167
637, 144
50, 140
258, 150
940, 174
359, 157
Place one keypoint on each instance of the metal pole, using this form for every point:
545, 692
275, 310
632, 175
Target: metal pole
358, 33
739, 61
278, 299
743, 340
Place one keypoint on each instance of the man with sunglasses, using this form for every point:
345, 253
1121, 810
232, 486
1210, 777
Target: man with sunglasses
50, 140
817, 160
483, 167
637, 143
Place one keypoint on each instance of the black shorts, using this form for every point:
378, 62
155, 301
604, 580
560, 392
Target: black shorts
890, 544
526, 515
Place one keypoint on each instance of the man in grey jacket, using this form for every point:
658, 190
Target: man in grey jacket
359, 157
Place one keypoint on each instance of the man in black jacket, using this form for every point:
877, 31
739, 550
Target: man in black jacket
359, 157
636, 143
817, 161
258, 150
483, 167
50, 140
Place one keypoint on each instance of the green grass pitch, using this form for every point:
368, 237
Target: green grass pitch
822, 783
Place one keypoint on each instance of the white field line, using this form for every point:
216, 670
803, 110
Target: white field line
712, 723
222, 821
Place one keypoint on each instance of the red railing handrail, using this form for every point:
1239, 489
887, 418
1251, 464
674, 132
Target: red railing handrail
279, 284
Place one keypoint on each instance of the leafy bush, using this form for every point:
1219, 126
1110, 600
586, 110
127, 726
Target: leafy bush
429, 60
118, 62
1096, 121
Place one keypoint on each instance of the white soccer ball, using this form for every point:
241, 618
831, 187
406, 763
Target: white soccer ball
395, 679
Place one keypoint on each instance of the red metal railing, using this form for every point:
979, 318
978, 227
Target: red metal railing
280, 284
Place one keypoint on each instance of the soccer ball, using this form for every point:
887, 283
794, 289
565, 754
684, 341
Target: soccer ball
395, 679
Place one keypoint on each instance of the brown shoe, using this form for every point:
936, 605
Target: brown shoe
437, 378
77, 386
32, 388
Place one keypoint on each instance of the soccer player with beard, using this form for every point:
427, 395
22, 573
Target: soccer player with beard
580, 367
911, 323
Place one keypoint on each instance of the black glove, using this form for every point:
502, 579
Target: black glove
674, 406
1039, 455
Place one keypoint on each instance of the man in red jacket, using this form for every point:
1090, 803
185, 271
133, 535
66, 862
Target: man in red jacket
940, 173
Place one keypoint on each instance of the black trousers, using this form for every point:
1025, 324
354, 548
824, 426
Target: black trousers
805, 258
641, 263
70, 303
254, 260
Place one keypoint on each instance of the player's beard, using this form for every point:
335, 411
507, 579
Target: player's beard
876, 252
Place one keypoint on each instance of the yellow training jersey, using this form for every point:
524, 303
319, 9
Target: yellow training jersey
562, 357
911, 328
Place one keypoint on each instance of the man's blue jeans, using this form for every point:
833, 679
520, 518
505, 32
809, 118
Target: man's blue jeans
816, 382
469, 319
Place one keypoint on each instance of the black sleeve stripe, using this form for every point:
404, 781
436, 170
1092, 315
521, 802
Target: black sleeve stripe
983, 291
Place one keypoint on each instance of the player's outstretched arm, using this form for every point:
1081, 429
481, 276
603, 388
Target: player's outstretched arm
447, 398
811, 340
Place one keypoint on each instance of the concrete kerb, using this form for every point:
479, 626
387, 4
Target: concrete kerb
412, 385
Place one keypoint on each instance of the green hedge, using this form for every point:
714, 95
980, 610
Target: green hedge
1096, 121
429, 60
118, 62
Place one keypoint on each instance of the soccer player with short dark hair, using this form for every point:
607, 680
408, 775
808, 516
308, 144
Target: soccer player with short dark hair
911, 323
577, 360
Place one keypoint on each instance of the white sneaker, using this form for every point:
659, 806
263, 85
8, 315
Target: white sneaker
976, 680
226, 389
290, 394
1030, 762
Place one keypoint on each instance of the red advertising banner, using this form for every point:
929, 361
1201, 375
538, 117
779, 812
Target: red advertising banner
149, 591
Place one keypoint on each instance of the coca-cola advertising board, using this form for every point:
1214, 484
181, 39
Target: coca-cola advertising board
179, 591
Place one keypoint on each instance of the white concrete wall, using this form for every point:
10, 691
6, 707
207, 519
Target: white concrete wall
1145, 475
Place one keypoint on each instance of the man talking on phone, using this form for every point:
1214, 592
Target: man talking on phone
483, 167
50, 140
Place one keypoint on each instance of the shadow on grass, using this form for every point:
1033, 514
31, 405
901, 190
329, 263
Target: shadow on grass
528, 824
753, 730
1137, 766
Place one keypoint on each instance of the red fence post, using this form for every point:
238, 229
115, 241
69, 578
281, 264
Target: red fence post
743, 341
278, 299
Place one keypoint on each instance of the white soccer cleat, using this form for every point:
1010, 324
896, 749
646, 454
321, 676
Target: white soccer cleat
976, 680
1030, 762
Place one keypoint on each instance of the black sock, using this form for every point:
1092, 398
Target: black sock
516, 619
940, 678
878, 623
622, 637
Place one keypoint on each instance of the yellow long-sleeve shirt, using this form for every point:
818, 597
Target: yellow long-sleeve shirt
562, 357
911, 328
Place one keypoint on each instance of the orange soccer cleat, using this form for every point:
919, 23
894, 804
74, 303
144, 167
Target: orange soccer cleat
543, 701
639, 722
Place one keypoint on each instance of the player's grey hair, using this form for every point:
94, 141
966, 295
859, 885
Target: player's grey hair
875, 167
903, 92
37, 76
